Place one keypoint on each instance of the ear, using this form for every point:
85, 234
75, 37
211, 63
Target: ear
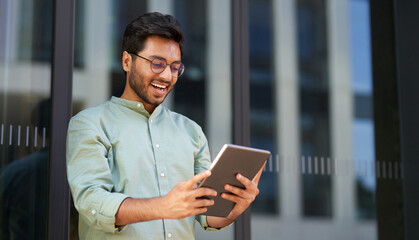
126, 61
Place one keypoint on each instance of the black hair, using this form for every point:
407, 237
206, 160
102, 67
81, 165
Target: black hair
154, 23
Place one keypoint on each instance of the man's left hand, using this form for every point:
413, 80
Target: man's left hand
242, 197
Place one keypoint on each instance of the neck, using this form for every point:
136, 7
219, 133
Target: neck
133, 97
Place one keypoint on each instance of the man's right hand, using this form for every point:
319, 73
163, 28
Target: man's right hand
182, 201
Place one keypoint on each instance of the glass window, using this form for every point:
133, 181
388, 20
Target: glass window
262, 113
315, 114
25, 79
314, 107
363, 123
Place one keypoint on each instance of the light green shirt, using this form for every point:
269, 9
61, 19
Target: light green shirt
118, 150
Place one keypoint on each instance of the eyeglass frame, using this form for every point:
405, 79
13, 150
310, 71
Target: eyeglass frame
170, 65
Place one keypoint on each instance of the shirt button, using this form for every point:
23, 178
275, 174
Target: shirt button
169, 235
151, 120
93, 212
157, 145
162, 174
138, 105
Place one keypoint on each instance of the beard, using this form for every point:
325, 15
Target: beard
140, 86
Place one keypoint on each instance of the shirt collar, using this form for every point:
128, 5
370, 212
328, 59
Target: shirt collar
135, 106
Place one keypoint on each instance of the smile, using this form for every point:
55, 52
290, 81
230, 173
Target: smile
158, 86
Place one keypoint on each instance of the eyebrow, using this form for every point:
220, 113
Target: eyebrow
162, 58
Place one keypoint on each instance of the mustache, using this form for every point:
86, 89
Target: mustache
158, 80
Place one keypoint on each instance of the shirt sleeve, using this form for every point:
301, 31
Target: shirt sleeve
202, 156
89, 175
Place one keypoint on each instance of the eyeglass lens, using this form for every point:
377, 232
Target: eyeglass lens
158, 66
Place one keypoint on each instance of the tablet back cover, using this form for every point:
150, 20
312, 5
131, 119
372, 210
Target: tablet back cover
231, 159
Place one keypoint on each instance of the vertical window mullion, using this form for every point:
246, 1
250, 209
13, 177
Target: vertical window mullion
61, 96
241, 129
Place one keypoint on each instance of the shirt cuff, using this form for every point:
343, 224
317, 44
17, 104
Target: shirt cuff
202, 219
104, 214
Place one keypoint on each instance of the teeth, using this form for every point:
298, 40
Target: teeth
159, 86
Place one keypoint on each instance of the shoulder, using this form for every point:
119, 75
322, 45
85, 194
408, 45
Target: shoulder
182, 120
94, 111
92, 115
90, 124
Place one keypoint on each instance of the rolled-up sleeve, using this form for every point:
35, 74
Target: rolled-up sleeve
202, 219
89, 174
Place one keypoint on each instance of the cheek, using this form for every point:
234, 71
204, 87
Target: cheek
138, 76
140, 70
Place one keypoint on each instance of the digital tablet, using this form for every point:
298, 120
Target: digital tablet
231, 159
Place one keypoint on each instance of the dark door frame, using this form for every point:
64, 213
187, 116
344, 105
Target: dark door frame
61, 96
395, 58
407, 66
241, 106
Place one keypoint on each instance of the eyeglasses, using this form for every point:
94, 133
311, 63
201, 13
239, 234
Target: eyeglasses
158, 65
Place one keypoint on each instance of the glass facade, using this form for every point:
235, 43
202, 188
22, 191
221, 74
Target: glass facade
25, 111
311, 104
311, 97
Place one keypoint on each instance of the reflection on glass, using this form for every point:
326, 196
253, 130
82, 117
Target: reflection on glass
24, 180
25, 66
363, 125
315, 115
314, 118
262, 114
190, 90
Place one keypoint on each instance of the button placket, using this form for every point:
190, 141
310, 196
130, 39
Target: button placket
159, 155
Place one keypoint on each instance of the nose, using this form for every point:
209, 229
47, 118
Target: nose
167, 73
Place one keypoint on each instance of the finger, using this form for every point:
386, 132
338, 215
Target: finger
200, 192
200, 203
231, 197
245, 181
198, 211
242, 193
259, 174
195, 179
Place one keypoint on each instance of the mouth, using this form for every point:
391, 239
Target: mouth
159, 89
158, 86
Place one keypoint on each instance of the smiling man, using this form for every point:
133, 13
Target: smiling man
132, 164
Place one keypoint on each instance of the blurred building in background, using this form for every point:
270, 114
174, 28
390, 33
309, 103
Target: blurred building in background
311, 102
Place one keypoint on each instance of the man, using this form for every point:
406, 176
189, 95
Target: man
132, 164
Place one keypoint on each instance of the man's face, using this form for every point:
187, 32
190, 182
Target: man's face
152, 88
